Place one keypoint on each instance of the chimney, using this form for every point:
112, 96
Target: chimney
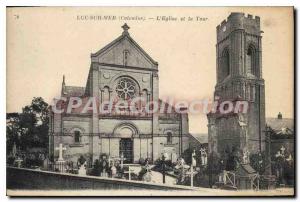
279, 115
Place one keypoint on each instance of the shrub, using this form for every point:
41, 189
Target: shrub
10, 160
142, 173
96, 170
81, 160
158, 165
142, 161
258, 162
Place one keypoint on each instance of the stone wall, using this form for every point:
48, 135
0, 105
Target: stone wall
20, 178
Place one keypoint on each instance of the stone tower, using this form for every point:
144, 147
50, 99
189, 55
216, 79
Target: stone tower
239, 78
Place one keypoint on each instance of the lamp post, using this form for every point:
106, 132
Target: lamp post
163, 168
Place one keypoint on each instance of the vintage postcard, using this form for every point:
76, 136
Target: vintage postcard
150, 101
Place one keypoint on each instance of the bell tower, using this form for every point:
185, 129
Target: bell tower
239, 76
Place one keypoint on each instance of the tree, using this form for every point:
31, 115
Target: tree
30, 128
187, 155
13, 131
258, 162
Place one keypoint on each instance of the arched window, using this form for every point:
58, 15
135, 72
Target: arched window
105, 94
225, 63
77, 136
250, 61
169, 138
145, 97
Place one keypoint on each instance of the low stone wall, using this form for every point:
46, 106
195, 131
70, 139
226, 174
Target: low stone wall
22, 178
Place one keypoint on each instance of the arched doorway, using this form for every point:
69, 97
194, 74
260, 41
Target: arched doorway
126, 148
126, 144
126, 133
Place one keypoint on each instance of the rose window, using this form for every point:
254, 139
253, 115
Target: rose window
126, 88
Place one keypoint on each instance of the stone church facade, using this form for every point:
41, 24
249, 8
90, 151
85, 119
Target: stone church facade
239, 78
122, 70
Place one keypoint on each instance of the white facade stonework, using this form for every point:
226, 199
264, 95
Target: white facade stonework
122, 62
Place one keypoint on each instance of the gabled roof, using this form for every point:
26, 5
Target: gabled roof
201, 137
125, 36
73, 91
280, 124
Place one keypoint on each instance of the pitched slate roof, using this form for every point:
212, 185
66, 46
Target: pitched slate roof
73, 91
281, 126
201, 137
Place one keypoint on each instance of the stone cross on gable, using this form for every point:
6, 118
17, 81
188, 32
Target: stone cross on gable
60, 150
125, 29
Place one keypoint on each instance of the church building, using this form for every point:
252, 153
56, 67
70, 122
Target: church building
239, 78
121, 70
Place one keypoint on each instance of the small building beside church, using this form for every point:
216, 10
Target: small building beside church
121, 70
282, 135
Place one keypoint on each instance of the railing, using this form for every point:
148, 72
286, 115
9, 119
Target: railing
255, 182
63, 167
227, 178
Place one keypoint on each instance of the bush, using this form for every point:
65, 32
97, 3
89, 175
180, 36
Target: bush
103, 155
10, 160
81, 160
32, 162
142, 173
96, 170
258, 162
158, 165
142, 161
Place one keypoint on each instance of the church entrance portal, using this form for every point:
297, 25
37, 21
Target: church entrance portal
126, 147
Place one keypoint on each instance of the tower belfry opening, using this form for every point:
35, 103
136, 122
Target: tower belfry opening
239, 78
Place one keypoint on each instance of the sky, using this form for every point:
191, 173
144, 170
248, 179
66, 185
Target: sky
43, 44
